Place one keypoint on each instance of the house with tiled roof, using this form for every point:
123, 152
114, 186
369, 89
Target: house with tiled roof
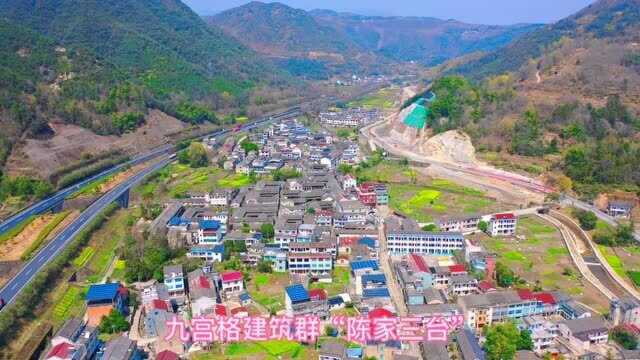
202, 293
299, 301
231, 283
101, 299
502, 225
74, 340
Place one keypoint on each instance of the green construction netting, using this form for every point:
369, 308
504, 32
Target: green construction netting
417, 118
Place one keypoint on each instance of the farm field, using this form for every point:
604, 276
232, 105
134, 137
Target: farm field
383, 99
341, 278
264, 350
268, 290
430, 200
538, 255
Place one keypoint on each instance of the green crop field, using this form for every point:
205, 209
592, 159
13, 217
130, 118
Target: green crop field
84, 257
72, 296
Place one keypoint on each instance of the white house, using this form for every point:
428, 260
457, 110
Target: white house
502, 225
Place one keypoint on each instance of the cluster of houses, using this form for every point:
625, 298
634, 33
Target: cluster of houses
288, 143
321, 220
354, 117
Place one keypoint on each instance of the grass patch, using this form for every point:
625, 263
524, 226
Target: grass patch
84, 257
268, 290
614, 261
16, 230
235, 181
635, 277
383, 99
554, 253
340, 280
514, 256
92, 188
42, 236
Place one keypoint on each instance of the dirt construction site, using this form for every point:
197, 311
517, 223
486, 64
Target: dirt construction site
450, 155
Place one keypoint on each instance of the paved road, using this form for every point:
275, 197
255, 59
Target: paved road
569, 201
50, 202
13, 288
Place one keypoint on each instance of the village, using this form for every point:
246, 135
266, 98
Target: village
308, 237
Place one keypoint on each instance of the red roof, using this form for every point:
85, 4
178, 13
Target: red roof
457, 268
221, 310
167, 355
123, 291
485, 286
504, 216
525, 294
231, 276
317, 294
420, 264
238, 310
61, 350
204, 282
160, 305
545, 298
380, 313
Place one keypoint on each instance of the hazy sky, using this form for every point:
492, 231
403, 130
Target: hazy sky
473, 11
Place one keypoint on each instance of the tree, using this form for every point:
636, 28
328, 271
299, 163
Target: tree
197, 155
483, 226
524, 341
267, 230
501, 341
587, 219
624, 338
505, 277
430, 227
264, 266
527, 135
345, 169
248, 147
115, 322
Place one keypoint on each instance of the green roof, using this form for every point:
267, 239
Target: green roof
417, 118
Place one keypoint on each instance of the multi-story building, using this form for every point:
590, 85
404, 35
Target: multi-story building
620, 208
310, 263
174, 281
232, 282
543, 332
463, 224
210, 253
74, 341
277, 257
485, 309
367, 194
585, 332
209, 232
318, 247
502, 225
625, 311
298, 302
350, 212
422, 242
202, 293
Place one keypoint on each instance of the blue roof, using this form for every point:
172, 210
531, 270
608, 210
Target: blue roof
374, 293
245, 296
337, 300
297, 293
177, 221
102, 292
367, 241
209, 224
364, 264
375, 278
354, 352
219, 249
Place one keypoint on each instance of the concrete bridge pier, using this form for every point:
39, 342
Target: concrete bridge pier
123, 200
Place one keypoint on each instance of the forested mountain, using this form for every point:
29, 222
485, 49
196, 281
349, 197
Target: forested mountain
323, 41
103, 65
563, 99
163, 42
428, 41
601, 20
295, 40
